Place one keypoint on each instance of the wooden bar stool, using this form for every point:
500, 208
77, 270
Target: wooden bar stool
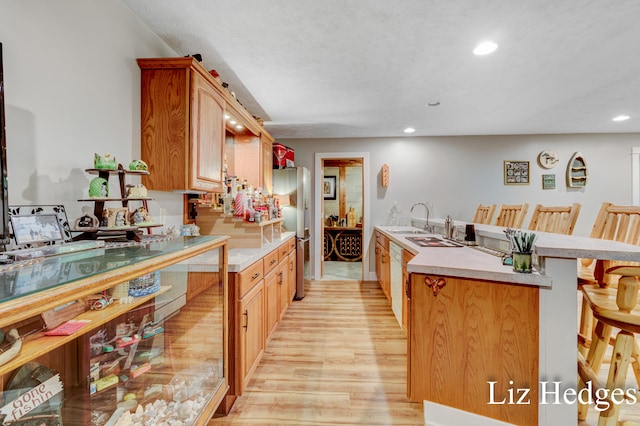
557, 219
612, 308
484, 214
512, 216
613, 222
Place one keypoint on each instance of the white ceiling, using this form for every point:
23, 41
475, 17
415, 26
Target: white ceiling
366, 68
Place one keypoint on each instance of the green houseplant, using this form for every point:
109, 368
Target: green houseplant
522, 243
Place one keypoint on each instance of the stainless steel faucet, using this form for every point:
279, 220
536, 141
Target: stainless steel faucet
427, 227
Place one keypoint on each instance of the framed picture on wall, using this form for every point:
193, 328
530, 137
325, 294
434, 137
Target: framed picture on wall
329, 188
548, 181
516, 173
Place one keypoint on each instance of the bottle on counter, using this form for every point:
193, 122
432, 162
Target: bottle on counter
227, 202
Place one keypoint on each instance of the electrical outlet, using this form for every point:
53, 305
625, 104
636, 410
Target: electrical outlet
504, 246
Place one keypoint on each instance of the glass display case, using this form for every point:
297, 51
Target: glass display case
133, 333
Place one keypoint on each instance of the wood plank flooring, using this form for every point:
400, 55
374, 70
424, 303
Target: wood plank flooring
338, 357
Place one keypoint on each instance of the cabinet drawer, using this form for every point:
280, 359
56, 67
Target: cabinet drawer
382, 240
287, 247
270, 261
250, 277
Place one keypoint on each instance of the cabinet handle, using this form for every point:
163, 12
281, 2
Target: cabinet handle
246, 319
256, 275
273, 261
407, 287
291, 266
281, 278
435, 283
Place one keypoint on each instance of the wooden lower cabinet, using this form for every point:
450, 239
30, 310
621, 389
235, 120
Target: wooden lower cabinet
383, 265
252, 340
469, 334
258, 298
406, 258
273, 287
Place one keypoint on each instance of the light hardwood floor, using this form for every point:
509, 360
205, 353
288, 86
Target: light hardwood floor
337, 358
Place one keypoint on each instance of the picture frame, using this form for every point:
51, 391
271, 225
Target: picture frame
549, 181
516, 172
329, 188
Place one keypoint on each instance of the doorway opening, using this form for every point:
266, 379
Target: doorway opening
341, 216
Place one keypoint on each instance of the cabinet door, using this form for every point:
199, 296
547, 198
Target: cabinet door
266, 165
384, 270
291, 259
283, 271
406, 257
207, 136
272, 288
252, 342
470, 333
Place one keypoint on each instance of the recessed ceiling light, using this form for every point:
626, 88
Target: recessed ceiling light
433, 103
409, 130
621, 118
238, 126
485, 48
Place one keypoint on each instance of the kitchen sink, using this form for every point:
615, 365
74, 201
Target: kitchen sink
407, 231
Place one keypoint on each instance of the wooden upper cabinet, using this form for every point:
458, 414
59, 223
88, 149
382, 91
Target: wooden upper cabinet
266, 166
183, 126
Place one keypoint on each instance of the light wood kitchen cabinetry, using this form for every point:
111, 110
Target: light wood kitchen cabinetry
252, 340
249, 155
383, 265
266, 166
465, 333
183, 126
289, 285
406, 258
258, 297
273, 286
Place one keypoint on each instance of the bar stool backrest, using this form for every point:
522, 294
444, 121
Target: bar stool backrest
484, 214
511, 216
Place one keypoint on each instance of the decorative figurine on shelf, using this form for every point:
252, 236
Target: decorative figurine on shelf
15, 345
98, 188
86, 222
106, 162
136, 191
117, 217
138, 165
140, 216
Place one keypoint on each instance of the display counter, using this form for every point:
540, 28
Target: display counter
142, 335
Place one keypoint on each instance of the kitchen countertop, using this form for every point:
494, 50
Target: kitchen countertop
239, 258
468, 262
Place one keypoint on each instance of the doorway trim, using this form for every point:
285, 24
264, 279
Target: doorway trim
317, 215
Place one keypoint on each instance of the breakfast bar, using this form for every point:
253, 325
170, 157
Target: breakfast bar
487, 340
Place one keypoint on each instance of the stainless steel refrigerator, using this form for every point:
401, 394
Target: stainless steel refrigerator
293, 187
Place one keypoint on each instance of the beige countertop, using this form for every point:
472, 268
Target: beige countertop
469, 262
239, 258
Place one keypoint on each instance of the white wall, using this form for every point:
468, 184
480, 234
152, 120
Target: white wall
454, 174
72, 89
